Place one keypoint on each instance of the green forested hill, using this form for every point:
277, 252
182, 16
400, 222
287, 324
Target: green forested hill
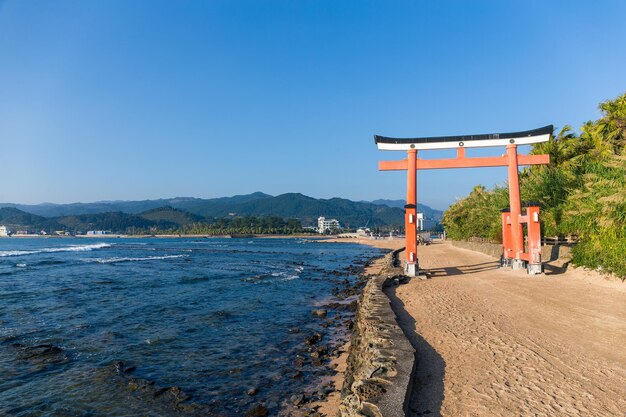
292, 205
582, 192
117, 222
167, 216
308, 209
429, 212
14, 218
200, 206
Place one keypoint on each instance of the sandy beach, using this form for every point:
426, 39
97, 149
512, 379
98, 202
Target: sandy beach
498, 342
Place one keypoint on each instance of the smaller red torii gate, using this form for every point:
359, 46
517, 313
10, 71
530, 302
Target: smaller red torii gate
512, 221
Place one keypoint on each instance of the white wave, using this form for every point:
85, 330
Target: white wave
285, 276
21, 265
147, 258
71, 248
290, 277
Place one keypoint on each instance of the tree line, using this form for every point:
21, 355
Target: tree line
244, 225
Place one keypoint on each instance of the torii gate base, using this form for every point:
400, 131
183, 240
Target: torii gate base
531, 259
411, 269
513, 221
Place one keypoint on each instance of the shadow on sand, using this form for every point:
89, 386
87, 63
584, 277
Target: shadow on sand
426, 396
555, 265
463, 269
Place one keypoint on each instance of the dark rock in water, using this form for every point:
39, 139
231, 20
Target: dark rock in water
297, 399
133, 385
297, 375
175, 392
322, 350
178, 394
253, 391
298, 362
41, 350
351, 306
316, 337
294, 330
319, 313
119, 367
150, 391
320, 353
41, 354
258, 410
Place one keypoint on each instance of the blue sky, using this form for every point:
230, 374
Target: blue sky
107, 100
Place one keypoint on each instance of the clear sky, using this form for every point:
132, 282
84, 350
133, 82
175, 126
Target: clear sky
108, 100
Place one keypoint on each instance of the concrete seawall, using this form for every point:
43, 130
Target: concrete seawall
381, 359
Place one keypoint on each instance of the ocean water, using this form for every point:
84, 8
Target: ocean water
210, 317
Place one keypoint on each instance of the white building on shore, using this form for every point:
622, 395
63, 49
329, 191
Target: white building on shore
425, 224
324, 224
4, 232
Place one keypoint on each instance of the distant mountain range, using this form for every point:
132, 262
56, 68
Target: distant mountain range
199, 206
429, 213
180, 211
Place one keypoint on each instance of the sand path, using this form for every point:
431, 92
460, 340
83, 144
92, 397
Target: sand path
492, 342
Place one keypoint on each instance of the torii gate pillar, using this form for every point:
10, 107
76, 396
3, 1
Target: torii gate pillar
517, 233
410, 215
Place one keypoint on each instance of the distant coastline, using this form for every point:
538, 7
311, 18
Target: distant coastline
169, 236
253, 214
316, 236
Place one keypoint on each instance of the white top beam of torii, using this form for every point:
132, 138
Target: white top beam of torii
527, 137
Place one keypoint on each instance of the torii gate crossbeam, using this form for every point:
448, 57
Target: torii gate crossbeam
511, 160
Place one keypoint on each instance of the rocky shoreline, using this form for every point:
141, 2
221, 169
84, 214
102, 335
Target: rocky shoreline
381, 360
320, 348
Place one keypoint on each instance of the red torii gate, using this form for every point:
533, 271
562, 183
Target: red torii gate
513, 236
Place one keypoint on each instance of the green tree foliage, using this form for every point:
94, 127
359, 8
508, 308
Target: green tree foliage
245, 225
582, 192
473, 215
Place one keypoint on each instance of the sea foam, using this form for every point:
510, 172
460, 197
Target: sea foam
147, 258
71, 248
